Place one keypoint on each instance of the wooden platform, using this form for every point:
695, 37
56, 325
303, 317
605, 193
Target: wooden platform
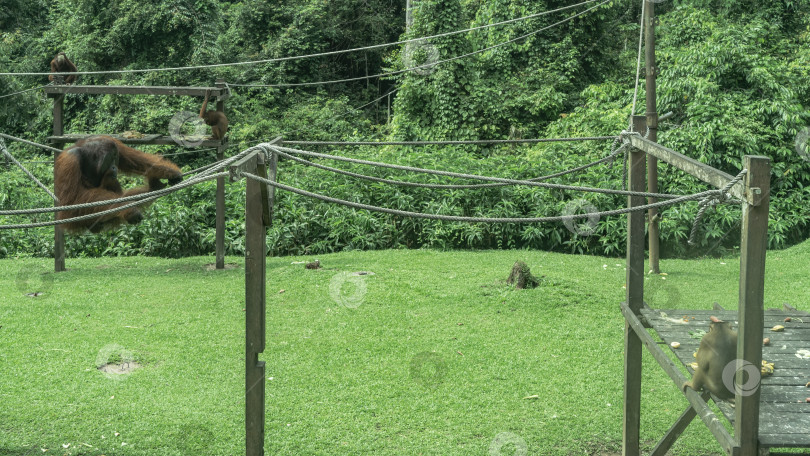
784, 413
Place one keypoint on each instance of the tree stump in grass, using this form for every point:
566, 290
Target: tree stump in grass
522, 277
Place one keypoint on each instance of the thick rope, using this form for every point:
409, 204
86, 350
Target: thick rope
201, 168
30, 143
445, 143
143, 196
28, 173
24, 91
95, 215
473, 176
713, 200
390, 92
321, 54
447, 186
456, 218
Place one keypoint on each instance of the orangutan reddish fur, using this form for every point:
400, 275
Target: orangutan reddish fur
88, 172
62, 64
216, 119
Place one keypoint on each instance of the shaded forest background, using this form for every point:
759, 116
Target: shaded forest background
736, 75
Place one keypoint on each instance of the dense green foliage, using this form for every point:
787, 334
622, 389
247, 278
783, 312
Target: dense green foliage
735, 74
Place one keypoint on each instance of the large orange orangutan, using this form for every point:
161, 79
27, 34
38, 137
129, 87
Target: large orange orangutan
88, 172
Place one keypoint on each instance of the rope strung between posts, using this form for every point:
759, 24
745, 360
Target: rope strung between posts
143, 200
389, 93
320, 54
457, 218
446, 143
139, 199
609, 158
472, 176
24, 91
28, 173
30, 143
713, 200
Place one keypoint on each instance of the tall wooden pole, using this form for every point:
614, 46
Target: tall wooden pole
753, 245
220, 198
652, 124
634, 298
255, 310
58, 232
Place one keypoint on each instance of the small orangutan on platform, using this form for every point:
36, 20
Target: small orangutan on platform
88, 172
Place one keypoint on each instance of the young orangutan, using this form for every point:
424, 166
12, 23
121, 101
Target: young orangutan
216, 119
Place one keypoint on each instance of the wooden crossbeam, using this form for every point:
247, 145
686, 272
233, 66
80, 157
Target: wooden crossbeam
702, 171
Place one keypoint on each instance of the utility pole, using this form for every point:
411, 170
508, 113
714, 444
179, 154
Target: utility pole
408, 14
652, 124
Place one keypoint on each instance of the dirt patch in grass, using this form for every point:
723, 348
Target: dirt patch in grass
120, 369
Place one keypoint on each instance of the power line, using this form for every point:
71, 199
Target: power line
321, 54
447, 143
424, 66
23, 91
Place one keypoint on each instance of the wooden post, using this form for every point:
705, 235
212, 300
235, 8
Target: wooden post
58, 232
652, 124
753, 246
255, 311
259, 200
220, 198
634, 298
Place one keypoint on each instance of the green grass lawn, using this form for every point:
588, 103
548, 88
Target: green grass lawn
431, 355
